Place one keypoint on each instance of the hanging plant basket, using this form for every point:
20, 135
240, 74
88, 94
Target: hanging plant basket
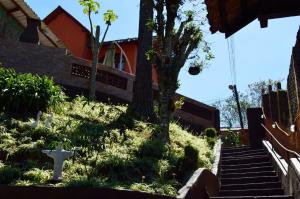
194, 70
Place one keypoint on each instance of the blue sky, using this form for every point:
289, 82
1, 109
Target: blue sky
261, 54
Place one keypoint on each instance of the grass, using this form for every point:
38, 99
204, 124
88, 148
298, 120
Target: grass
112, 149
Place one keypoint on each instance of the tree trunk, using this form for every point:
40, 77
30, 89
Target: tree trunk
143, 98
95, 52
165, 113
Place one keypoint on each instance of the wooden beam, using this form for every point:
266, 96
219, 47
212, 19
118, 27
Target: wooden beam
223, 16
16, 9
244, 7
239, 25
25, 13
263, 22
280, 14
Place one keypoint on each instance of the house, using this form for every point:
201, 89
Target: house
54, 52
69, 30
16, 16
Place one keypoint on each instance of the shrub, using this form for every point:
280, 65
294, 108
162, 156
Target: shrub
9, 174
210, 132
188, 163
26, 94
210, 136
231, 139
211, 141
153, 148
37, 175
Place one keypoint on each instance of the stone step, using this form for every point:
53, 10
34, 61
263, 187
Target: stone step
263, 185
246, 170
248, 165
246, 180
245, 160
252, 192
241, 154
236, 149
248, 174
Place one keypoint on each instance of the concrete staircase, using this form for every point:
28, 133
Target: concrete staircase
247, 173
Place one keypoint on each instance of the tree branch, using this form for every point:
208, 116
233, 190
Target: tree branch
92, 29
159, 7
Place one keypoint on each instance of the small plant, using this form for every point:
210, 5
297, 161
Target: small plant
211, 142
37, 176
231, 139
210, 132
25, 94
179, 103
154, 148
9, 174
210, 136
188, 163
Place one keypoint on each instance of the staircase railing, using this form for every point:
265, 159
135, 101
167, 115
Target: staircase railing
288, 152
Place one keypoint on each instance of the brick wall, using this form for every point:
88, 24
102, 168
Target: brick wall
73, 74
293, 82
54, 62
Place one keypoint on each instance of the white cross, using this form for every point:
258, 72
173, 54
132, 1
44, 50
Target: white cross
59, 156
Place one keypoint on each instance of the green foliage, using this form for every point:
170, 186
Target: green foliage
250, 98
112, 149
188, 163
37, 176
211, 141
110, 16
179, 103
9, 174
231, 139
179, 40
90, 6
26, 94
210, 132
211, 136
153, 148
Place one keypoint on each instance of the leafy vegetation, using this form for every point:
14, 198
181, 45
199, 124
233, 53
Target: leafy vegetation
231, 139
179, 29
26, 94
112, 149
251, 98
210, 135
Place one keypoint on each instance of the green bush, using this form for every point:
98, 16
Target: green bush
153, 148
9, 174
210, 132
211, 142
188, 163
231, 139
37, 175
26, 94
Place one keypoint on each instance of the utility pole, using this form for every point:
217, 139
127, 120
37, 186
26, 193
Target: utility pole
236, 96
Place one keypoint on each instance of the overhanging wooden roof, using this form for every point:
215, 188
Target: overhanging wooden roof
20, 11
229, 16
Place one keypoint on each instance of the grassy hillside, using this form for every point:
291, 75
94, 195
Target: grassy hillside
111, 149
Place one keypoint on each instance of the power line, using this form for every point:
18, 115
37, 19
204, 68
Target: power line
231, 56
